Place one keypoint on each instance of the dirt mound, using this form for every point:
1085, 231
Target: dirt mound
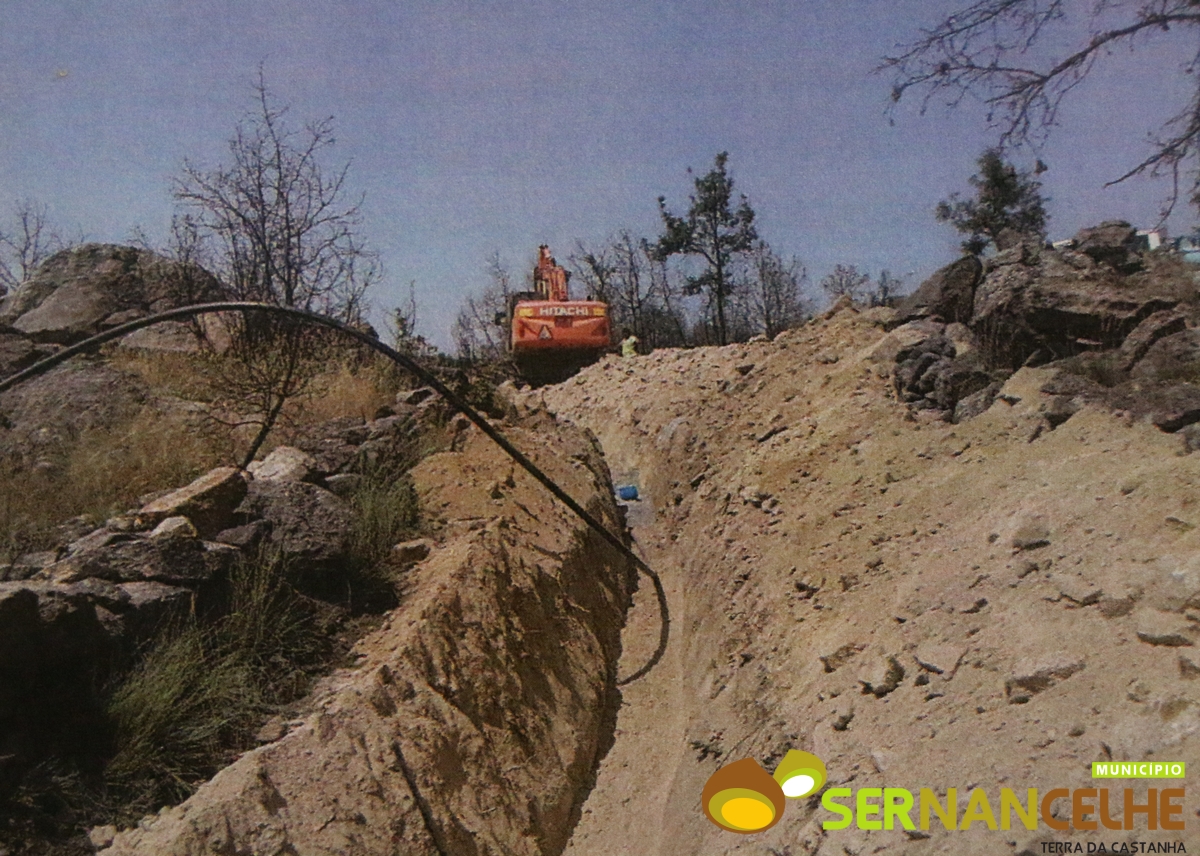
476, 716
991, 604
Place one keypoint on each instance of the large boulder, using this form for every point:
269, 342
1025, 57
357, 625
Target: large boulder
948, 295
1153, 327
285, 463
17, 352
82, 290
43, 416
177, 561
55, 655
309, 526
1171, 358
1113, 242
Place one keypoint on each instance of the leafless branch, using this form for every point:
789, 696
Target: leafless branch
992, 50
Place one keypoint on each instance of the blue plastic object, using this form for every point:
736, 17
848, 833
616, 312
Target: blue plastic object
627, 492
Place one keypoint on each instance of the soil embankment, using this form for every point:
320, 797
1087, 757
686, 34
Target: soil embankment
476, 714
990, 604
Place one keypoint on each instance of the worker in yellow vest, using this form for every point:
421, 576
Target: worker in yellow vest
628, 343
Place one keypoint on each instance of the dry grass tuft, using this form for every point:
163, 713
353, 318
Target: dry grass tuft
101, 473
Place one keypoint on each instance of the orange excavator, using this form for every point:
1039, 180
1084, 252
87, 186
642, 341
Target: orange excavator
551, 336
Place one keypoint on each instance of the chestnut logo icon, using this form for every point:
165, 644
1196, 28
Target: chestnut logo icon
742, 797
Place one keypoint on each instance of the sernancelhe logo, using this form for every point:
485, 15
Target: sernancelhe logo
742, 797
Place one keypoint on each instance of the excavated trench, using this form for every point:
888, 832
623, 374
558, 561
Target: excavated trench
996, 603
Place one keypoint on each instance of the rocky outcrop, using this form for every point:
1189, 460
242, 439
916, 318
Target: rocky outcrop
1041, 305
114, 587
307, 526
1118, 320
43, 416
57, 649
476, 716
931, 373
83, 290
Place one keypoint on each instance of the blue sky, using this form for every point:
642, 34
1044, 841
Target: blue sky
475, 127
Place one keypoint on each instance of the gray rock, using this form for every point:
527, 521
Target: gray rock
310, 526
345, 484
963, 376
170, 336
1191, 437
80, 290
1148, 331
1174, 357
1113, 242
152, 604
948, 294
246, 537
977, 402
94, 540
415, 396
410, 552
18, 352
1060, 409
1049, 309
122, 317
55, 652
175, 527
177, 561
905, 336
28, 564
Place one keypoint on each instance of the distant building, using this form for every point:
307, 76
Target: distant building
1151, 239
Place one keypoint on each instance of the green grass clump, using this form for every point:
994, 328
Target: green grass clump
195, 699
386, 512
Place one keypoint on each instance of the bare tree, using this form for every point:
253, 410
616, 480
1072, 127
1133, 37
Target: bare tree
278, 229
478, 335
776, 291
27, 243
845, 280
595, 269
666, 320
403, 328
992, 49
285, 233
887, 289
629, 276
